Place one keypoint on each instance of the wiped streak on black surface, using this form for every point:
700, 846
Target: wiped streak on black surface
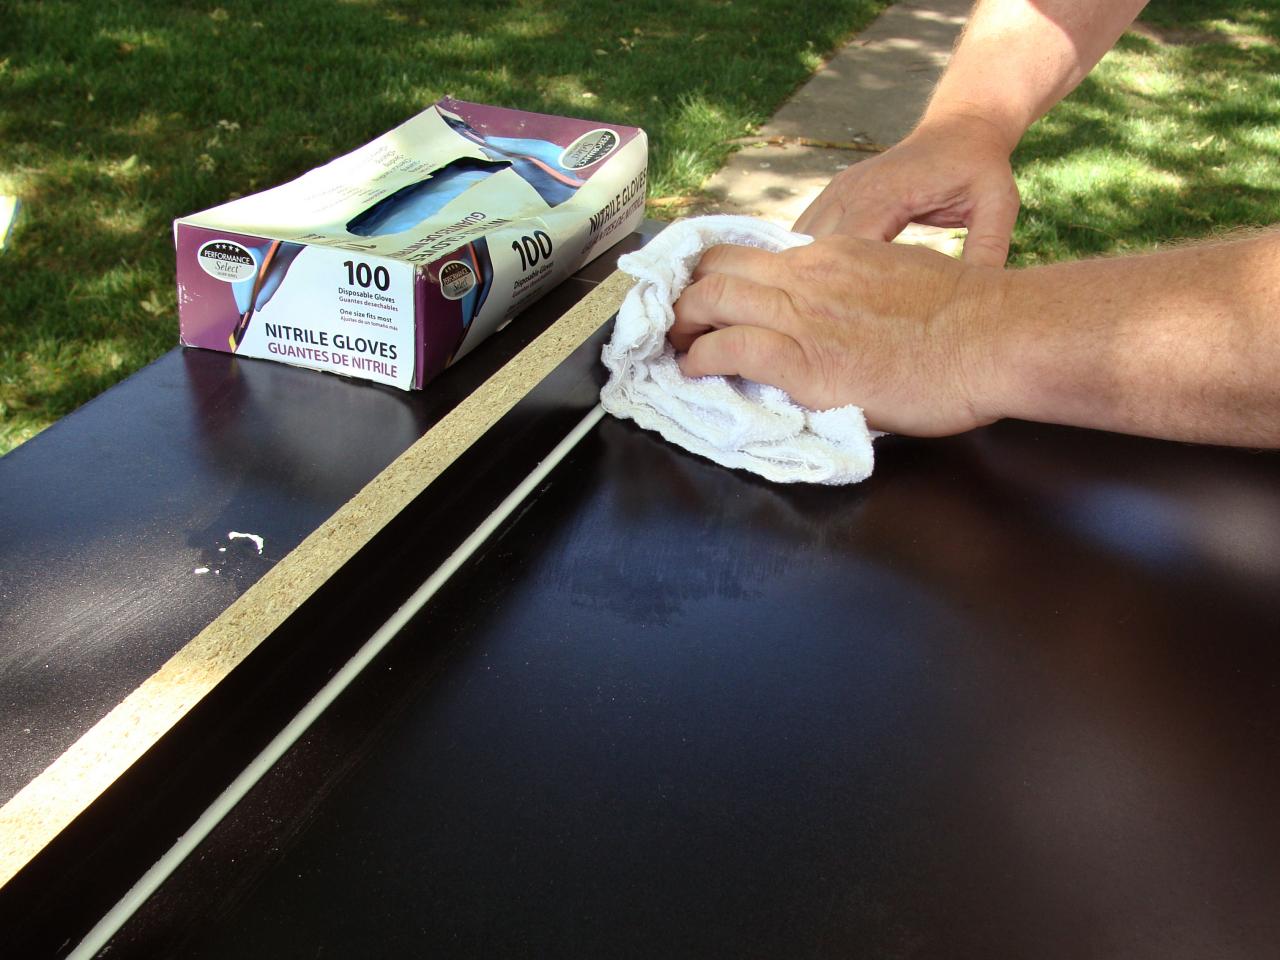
1014, 696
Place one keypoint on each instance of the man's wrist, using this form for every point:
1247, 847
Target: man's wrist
982, 330
978, 121
1039, 360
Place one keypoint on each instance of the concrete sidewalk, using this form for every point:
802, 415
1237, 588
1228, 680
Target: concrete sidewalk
874, 89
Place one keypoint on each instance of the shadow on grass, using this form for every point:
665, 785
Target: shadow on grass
1194, 21
1164, 141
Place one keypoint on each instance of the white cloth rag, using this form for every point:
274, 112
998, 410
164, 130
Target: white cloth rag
733, 421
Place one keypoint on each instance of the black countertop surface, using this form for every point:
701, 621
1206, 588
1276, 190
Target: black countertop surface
1016, 695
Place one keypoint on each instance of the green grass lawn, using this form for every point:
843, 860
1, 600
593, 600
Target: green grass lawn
1176, 134
116, 117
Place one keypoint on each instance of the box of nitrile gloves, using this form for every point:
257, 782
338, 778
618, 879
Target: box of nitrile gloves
394, 260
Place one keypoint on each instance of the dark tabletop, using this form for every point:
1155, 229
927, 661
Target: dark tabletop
106, 516
1016, 695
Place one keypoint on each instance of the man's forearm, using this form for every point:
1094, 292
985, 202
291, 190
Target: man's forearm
1182, 344
1017, 58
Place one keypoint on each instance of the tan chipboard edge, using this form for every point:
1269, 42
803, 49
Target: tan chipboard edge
50, 802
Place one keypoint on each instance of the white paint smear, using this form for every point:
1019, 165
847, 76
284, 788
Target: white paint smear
257, 540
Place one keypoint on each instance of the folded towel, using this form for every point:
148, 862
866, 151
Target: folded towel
735, 422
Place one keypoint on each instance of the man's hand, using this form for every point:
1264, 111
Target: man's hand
953, 173
1015, 60
1183, 343
897, 330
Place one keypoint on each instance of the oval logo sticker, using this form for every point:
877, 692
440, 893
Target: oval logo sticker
591, 147
226, 260
456, 279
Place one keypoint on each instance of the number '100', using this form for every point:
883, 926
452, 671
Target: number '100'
532, 249
364, 275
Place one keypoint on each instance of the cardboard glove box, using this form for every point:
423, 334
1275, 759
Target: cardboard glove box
396, 259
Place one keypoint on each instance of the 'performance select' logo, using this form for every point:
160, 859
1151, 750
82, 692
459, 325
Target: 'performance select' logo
226, 260
456, 279
591, 147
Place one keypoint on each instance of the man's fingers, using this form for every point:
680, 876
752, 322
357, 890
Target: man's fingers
819, 214
862, 221
824, 211
990, 228
736, 260
882, 223
722, 300
765, 356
